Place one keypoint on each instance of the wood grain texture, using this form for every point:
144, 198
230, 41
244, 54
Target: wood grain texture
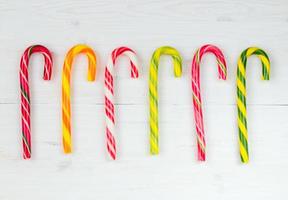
144, 26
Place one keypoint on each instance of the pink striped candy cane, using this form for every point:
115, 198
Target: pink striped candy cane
25, 91
198, 115
109, 93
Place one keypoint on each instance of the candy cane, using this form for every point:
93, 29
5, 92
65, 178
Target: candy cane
197, 104
109, 93
66, 87
241, 95
25, 91
153, 90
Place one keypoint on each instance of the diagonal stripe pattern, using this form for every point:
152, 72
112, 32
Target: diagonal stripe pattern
197, 103
241, 95
25, 91
153, 90
66, 88
109, 93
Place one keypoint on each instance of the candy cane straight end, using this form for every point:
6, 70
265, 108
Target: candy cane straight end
67, 150
245, 161
26, 147
154, 152
26, 156
112, 155
201, 157
244, 153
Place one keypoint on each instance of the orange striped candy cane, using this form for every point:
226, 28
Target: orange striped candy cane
66, 88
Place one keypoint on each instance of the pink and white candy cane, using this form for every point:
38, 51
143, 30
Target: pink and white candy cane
109, 93
25, 91
198, 115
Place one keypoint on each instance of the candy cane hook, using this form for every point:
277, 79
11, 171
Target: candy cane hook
153, 90
25, 91
66, 87
109, 93
197, 104
241, 95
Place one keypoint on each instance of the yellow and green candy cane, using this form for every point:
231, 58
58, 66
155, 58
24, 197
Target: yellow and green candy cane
153, 90
241, 94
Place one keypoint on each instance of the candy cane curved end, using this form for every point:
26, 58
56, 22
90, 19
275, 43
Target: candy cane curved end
66, 88
153, 91
109, 93
241, 95
197, 102
25, 91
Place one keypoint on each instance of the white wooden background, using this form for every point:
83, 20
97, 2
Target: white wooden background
144, 25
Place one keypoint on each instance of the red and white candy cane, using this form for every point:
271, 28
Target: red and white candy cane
109, 93
198, 115
25, 91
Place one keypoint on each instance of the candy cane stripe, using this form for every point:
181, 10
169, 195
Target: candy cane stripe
109, 81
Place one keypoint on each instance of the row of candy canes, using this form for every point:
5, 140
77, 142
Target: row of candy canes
153, 92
